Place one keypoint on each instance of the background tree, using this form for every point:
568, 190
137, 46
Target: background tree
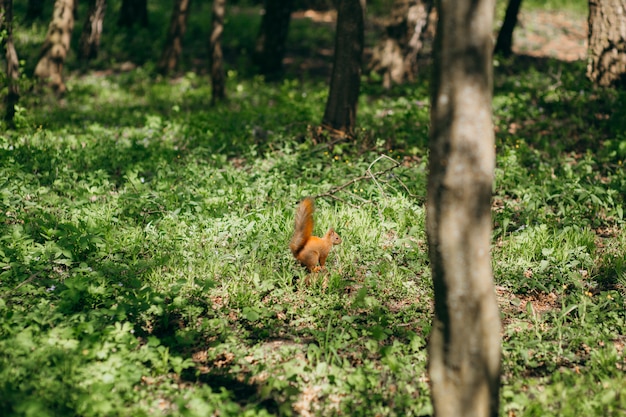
607, 42
174, 42
341, 107
216, 57
57, 45
395, 56
92, 31
504, 43
270, 44
464, 350
133, 12
6, 25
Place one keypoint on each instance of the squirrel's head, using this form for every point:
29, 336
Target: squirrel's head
334, 237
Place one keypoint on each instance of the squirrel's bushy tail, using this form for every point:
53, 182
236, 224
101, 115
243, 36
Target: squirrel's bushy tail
304, 226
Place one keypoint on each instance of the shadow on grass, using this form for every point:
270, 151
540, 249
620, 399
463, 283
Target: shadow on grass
555, 108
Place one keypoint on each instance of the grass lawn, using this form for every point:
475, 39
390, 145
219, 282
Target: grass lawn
145, 269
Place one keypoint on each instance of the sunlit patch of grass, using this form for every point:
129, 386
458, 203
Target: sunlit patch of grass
144, 265
578, 6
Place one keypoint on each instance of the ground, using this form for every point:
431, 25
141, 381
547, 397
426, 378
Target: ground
555, 34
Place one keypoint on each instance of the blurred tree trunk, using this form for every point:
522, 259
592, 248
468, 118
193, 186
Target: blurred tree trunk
34, 10
133, 12
13, 69
607, 42
92, 31
464, 347
218, 91
395, 57
57, 45
174, 43
504, 43
272, 38
341, 107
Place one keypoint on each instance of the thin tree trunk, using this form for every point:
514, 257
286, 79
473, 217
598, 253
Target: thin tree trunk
395, 57
218, 91
92, 31
133, 12
34, 10
270, 45
504, 44
57, 45
418, 23
464, 347
341, 107
607, 42
174, 43
13, 69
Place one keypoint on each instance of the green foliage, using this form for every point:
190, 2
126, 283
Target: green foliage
144, 266
157, 227
578, 6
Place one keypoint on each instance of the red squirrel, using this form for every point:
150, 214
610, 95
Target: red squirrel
308, 249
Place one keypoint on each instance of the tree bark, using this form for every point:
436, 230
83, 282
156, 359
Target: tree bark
174, 43
504, 44
92, 31
34, 10
464, 348
13, 69
57, 45
218, 81
133, 12
607, 42
341, 107
272, 38
395, 57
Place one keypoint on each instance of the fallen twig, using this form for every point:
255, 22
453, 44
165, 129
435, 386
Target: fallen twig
369, 175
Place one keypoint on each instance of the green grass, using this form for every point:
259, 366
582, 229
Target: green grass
578, 6
144, 266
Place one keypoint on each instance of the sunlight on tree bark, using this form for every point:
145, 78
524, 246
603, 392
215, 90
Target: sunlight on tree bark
395, 56
92, 31
607, 42
57, 45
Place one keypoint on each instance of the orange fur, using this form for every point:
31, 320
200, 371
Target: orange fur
306, 248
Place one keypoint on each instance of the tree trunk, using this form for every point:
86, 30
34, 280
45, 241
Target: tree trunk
34, 10
341, 107
218, 91
607, 42
504, 43
133, 12
270, 44
174, 43
13, 69
57, 45
464, 349
395, 57
92, 31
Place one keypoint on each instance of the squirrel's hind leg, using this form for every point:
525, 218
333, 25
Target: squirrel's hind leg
310, 260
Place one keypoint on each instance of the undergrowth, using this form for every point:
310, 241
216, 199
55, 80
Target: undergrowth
144, 261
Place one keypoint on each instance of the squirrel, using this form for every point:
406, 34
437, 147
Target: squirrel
308, 249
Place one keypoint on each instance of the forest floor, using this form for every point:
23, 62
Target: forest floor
144, 262
548, 33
